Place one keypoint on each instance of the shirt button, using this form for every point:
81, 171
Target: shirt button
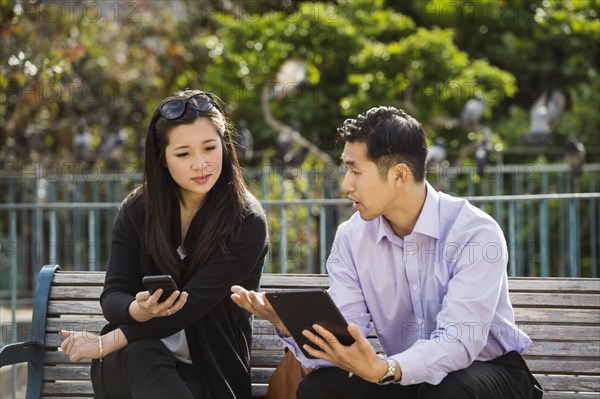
412, 381
415, 287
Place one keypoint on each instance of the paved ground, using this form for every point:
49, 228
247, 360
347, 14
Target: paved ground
23, 317
6, 381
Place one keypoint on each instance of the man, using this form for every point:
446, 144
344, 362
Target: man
428, 270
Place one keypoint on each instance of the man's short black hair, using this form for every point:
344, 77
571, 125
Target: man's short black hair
392, 136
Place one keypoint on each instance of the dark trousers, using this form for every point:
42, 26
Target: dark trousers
506, 377
146, 369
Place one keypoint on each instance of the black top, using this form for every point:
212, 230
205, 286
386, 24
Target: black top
218, 332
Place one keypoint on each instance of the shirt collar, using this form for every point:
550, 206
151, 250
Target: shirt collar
428, 222
384, 230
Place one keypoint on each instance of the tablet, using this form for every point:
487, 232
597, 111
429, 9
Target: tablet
300, 309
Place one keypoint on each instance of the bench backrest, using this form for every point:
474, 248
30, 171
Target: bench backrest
562, 316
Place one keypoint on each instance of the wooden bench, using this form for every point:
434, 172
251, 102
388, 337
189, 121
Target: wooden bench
561, 315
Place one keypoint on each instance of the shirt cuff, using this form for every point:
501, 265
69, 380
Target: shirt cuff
291, 344
413, 367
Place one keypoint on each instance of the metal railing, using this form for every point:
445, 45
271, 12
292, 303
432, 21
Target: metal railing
551, 228
54, 182
535, 226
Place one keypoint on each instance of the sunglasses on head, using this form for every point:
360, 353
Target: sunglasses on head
173, 109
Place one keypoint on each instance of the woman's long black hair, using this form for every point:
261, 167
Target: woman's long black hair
224, 203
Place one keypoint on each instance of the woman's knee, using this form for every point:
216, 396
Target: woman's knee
150, 351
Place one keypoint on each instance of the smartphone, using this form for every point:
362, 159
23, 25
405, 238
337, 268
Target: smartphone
164, 281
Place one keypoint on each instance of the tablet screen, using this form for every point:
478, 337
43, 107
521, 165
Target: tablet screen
300, 309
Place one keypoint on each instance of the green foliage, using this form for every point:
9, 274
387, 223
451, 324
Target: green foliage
105, 63
546, 45
246, 57
425, 73
110, 63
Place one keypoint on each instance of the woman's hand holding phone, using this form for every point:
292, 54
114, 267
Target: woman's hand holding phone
148, 306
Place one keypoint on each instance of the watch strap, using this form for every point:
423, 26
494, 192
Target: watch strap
390, 374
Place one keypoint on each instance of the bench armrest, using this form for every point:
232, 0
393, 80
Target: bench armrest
31, 352
20, 352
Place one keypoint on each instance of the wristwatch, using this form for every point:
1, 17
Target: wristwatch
390, 375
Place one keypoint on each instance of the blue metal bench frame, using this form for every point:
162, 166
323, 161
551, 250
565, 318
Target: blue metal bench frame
32, 351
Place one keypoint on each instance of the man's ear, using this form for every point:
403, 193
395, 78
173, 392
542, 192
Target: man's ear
401, 173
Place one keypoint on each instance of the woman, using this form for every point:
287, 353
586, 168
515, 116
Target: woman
192, 218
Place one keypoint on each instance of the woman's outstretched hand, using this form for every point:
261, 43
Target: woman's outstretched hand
257, 304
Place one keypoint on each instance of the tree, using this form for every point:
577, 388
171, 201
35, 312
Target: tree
106, 64
546, 45
358, 55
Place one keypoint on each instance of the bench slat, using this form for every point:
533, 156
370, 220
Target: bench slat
258, 358
569, 383
67, 397
76, 292
80, 323
536, 284
67, 388
75, 373
59, 358
573, 349
552, 300
541, 332
554, 284
560, 365
261, 374
293, 280
78, 278
259, 390
265, 358
570, 395
558, 316
545, 332
74, 307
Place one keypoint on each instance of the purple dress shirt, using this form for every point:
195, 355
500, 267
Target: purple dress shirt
438, 298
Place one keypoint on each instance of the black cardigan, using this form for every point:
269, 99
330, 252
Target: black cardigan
219, 333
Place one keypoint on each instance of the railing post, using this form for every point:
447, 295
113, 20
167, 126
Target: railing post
38, 230
283, 241
518, 226
12, 222
77, 226
322, 239
593, 230
562, 231
52, 242
512, 247
573, 261
91, 240
544, 239
309, 224
530, 247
